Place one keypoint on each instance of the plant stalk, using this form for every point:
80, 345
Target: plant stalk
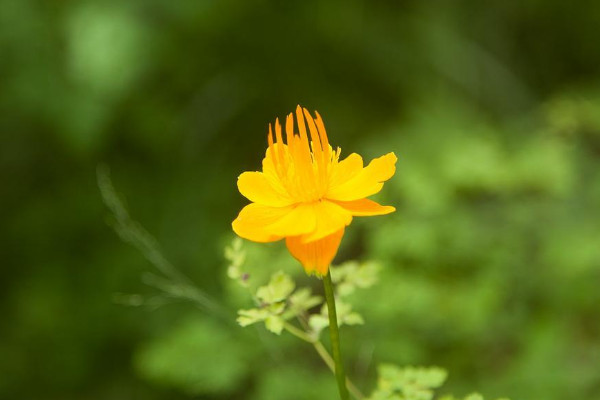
334, 334
325, 356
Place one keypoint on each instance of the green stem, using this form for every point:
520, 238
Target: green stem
329, 361
298, 332
334, 334
325, 356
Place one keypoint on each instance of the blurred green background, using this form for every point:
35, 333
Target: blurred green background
491, 265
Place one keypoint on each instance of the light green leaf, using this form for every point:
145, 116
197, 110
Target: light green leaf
318, 322
251, 316
341, 272
366, 275
279, 288
303, 300
353, 318
351, 275
410, 383
234, 272
276, 308
236, 256
274, 324
345, 315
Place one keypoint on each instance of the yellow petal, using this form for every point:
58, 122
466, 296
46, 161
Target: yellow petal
263, 189
329, 218
254, 218
269, 164
315, 256
366, 182
365, 207
299, 220
346, 169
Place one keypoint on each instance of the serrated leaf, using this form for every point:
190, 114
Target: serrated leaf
409, 382
303, 299
345, 315
345, 289
274, 324
431, 377
251, 316
366, 275
353, 318
279, 288
341, 272
275, 308
351, 275
234, 253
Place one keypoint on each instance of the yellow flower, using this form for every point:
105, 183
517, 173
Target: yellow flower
306, 195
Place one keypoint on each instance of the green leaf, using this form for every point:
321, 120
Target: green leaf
279, 288
366, 275
410, 383
274, 324
318, 322
472, 396
351, 275
234, 272
251, 316
276, 308
345, 315
341, 272
236, 256
353, 318
302, 300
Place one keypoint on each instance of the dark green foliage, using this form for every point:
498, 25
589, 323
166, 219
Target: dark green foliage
489, 268
198, 357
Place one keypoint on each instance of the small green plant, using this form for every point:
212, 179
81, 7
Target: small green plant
281, 306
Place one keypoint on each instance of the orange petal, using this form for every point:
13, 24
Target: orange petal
315, 256
299, 220
366, 182
263, 189
330, 218
346, 170
365, 207
254, 218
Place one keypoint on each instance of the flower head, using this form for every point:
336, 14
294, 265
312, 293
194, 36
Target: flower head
306, 195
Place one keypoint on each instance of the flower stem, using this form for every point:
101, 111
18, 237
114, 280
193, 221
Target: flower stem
324, 354
335, 337
329, 361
